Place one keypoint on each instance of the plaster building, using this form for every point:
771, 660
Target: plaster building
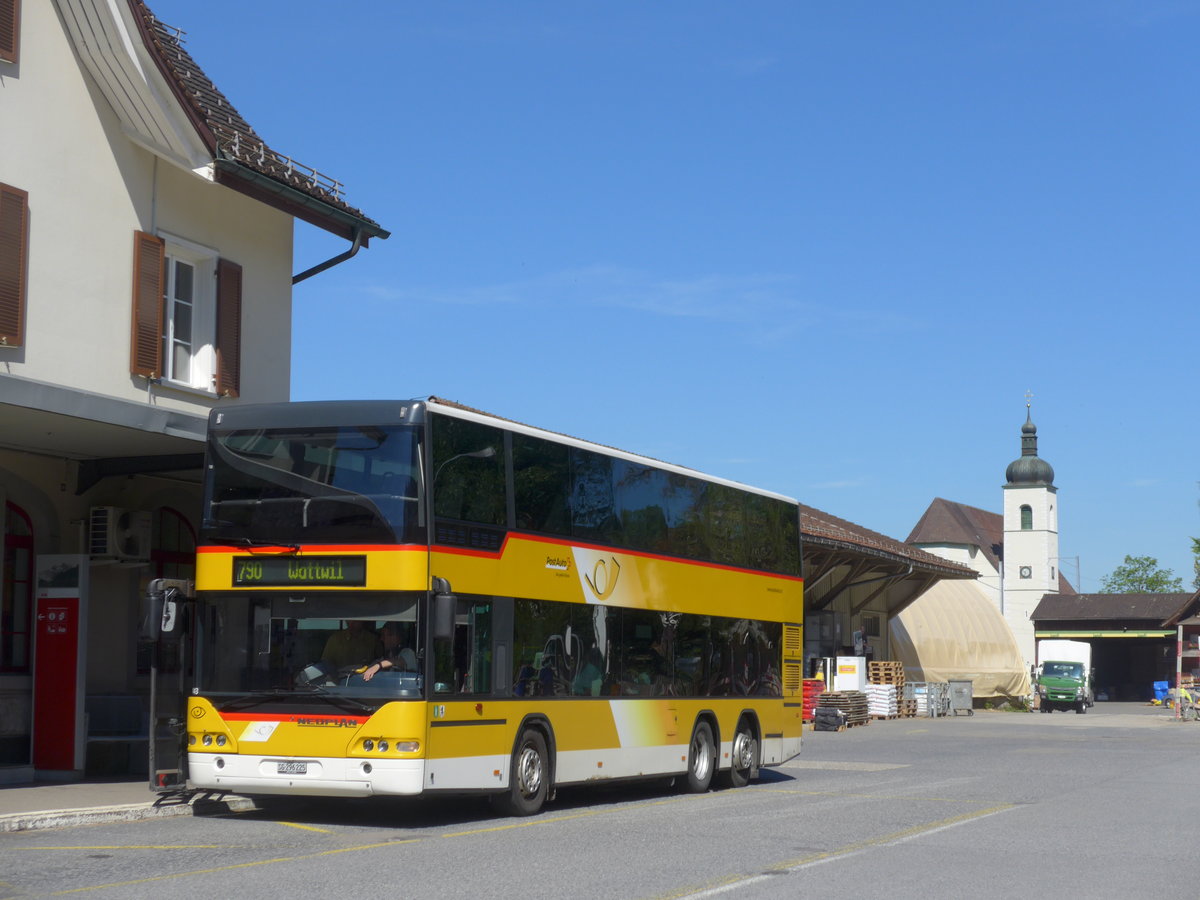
146, 272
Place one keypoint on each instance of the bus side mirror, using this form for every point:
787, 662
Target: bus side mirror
170, 613
166, 596
445, 604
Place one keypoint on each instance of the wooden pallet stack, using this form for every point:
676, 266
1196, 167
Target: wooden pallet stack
853, 705
892, 672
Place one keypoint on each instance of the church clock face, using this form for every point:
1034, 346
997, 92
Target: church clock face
1026, 572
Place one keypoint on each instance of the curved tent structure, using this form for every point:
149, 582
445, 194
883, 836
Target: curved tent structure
953, 631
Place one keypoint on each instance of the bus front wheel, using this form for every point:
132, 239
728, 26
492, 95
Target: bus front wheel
702, 755
528, 779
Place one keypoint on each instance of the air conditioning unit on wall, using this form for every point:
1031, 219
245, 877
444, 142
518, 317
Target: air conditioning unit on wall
119, 533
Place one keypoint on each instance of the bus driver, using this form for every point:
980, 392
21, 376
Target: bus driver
402, 659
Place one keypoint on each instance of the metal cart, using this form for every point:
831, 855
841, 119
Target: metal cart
932, 698
961, 695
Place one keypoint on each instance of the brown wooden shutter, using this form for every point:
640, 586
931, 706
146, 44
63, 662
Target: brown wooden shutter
149, 280
10, 29
14, 247
229, 328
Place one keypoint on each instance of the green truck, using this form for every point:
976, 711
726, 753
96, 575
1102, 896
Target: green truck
1064, 676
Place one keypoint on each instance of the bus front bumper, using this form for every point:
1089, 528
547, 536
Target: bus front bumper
311, 776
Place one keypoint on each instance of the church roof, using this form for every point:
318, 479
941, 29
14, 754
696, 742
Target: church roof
1029, 468
947, 522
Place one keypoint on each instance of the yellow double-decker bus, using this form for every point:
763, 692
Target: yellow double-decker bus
400, 598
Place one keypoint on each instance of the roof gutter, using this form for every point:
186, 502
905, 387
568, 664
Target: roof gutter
333, 260
358, 229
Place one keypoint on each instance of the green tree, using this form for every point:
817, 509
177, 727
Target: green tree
1140, 575
1196, 562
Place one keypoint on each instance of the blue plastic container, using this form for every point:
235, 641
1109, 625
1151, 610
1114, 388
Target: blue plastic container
1160, 690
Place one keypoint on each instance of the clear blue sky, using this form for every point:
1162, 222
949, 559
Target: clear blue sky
824, 248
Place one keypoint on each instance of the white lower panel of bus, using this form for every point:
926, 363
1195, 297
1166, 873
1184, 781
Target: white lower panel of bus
316, 776
629, 762
789, 747
364, 778
491, 773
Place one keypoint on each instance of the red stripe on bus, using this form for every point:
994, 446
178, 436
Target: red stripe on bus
559, 542
314, 548
490, 554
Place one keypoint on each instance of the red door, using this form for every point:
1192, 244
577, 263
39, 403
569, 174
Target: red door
56, 680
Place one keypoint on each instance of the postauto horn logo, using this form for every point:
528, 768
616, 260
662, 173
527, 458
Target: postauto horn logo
603, 578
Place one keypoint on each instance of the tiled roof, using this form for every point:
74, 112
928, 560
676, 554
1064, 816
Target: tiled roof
1083, 607
946, 522
816, 525
221, 126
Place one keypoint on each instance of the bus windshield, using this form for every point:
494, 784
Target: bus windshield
270, 647
317, 485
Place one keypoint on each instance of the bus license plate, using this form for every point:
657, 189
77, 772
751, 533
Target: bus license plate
293, 768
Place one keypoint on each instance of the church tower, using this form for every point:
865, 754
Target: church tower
1030, 564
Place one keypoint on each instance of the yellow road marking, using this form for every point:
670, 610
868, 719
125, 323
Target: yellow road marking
357, 848
895, 836
531, 823
715, 887
305, 827
230, 868
133, 847
858, 796
733, 882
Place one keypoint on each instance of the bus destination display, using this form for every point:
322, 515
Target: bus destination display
287, 571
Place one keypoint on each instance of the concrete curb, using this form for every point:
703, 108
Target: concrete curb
134, 812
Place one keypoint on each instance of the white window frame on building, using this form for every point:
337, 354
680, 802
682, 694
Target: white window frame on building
190, 341
189, 316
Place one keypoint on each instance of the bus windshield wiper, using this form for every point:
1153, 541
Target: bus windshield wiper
251, 542
255, 700
342, 702
252, 700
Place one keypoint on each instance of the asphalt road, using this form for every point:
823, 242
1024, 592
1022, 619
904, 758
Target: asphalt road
993, 805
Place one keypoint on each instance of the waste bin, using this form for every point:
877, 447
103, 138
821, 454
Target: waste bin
961, 697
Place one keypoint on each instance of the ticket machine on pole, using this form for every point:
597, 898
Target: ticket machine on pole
59, 665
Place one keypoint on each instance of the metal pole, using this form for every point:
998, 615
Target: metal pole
1179, 671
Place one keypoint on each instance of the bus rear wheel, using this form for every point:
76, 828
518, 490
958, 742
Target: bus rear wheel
702, 756
744, 757
528, 779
